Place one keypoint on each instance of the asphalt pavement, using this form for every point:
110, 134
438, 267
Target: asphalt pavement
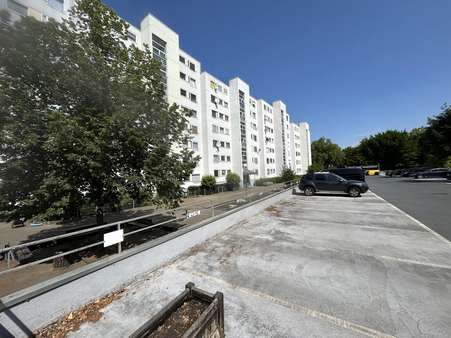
426, 200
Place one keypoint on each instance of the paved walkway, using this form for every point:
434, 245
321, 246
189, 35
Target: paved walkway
322, 266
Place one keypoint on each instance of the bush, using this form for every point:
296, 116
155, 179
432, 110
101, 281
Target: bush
208, 183
233, 181
314, 168
266, 181
287, 175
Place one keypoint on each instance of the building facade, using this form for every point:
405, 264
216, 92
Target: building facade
230, 129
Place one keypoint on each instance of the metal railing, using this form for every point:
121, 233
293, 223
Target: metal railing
175, 214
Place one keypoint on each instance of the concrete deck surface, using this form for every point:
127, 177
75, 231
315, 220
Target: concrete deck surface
322, 266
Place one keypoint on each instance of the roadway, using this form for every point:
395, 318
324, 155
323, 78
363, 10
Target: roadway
427, 201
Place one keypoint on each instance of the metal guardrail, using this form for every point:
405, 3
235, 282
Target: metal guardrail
120, 225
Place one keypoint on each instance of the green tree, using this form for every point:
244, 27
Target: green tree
314, 167
208, 182
84, 119
435, 142
287, 175
391, 149
353, 156
233, 181
326, 154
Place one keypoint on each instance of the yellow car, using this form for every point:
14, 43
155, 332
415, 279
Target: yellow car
372, 172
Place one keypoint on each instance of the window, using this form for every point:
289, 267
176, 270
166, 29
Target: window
195, 178
216, 158
22, 10
183, 92
193, 97
221, 116
216, 173
226, 117
57, 4
215, 128
183, 76
228, 158
222, 158
182, 59
222, 144
194, 130
226, 131
228, 145
131, 36
214, 113
221, 130
195, 146
192, 66
223, 173
320, 177
192, 82
226, 105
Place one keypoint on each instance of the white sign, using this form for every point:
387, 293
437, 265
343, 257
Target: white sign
113, 237
192, 214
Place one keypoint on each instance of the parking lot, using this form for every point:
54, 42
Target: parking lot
427, 200
321, 266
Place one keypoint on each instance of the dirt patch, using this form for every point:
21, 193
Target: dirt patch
180, 320
87, 313
273, 210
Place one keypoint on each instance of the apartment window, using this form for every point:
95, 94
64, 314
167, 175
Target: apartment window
214, 113
216, 173
183, 76
225, 90
228, 158
182, 59
223, 158
183, 92
131, 36
254, 137
215, 128
57, 4
194, 130
193, 97
255, 149
192, 66
226, 105
226, 117
222, 144
228, 145
213, 100
221, 116
15, 6
221, 130
216, 158
195, 146
192, 82
223, 173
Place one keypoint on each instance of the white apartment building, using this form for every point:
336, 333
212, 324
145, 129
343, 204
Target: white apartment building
267, 141
230, 129
245, 127
216, 124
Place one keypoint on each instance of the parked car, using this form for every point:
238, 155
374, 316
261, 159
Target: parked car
433, 173
411, 172
330, 182
351, 173
448, 175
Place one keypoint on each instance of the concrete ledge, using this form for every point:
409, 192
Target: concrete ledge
42, 304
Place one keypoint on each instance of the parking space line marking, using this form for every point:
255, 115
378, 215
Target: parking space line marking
414, 219
295, 307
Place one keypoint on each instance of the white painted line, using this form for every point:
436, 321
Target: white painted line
295, 307
414, 220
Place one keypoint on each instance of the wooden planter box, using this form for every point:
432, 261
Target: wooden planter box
203, 309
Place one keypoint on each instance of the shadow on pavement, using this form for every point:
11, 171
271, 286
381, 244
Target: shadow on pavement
4, 332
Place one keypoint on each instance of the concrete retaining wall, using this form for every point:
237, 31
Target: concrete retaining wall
69, 291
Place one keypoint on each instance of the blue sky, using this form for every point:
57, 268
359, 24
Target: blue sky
350, 68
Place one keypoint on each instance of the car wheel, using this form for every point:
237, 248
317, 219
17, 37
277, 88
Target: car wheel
354, 192
309, 191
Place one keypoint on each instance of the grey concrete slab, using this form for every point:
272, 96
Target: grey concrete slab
288, 276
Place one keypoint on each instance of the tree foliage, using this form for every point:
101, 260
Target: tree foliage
208, 182
326, 154
84, 118
287, 175
233, 181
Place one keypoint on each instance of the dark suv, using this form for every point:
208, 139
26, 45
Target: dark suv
326, 181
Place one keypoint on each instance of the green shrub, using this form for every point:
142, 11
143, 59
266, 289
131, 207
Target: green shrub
208, 182
314, 168
233, 181
287, 175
